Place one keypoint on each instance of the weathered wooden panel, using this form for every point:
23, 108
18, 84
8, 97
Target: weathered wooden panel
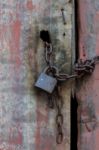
87, 89
26, 123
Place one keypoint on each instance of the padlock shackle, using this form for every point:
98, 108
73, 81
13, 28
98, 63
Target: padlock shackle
51, 69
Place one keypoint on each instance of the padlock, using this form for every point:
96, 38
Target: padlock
47, 82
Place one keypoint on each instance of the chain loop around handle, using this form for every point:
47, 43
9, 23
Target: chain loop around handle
81, 68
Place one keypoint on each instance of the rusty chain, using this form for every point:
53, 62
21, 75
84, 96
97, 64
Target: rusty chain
55, 99
81, 68
59, 116
48, 53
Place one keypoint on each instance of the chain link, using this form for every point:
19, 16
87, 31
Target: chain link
59, 116
48, 53
81, 68
55, 99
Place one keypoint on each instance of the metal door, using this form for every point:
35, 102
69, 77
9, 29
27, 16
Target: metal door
26, 123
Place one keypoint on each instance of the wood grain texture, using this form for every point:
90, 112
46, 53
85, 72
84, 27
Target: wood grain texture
26, 123
88, 87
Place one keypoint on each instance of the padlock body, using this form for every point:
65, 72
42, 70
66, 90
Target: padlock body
46, 82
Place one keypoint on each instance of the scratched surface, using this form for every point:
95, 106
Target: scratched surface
88, 88
26, 123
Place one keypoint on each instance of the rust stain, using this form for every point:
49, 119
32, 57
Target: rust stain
87, 89
96, 20
82, 29
41, 118
15, 136
15, 43
30, 5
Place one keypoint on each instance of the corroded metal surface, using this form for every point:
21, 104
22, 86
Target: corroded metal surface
26, 123
88, 88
